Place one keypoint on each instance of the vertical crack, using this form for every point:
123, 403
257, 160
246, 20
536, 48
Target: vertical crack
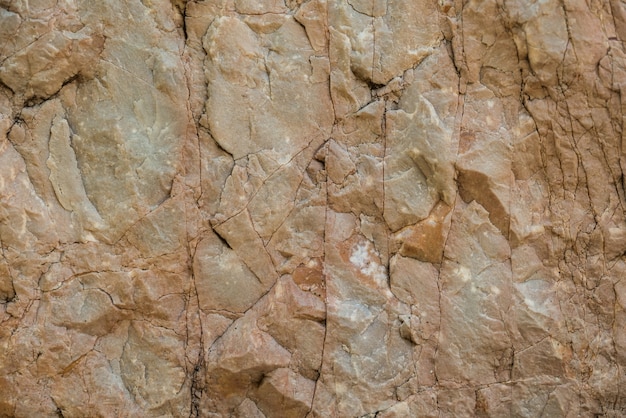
325, 277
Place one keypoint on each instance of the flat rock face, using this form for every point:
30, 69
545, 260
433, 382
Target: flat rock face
320, 208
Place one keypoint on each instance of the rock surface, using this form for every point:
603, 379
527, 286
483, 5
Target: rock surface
312, 208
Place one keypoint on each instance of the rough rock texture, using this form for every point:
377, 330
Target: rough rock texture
321, 208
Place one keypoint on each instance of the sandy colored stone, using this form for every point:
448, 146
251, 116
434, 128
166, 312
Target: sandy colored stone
318, 208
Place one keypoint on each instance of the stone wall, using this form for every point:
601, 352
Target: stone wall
321, 208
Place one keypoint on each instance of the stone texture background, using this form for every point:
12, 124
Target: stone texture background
322, 208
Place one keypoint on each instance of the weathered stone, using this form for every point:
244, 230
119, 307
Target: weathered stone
285, 391
312, 208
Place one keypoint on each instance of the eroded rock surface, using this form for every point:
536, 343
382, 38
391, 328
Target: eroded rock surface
320, 208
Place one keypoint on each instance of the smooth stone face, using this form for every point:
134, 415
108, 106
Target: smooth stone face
322, 208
